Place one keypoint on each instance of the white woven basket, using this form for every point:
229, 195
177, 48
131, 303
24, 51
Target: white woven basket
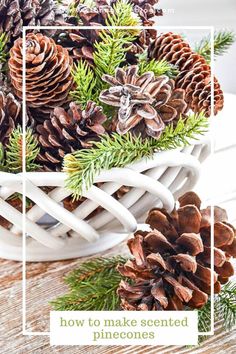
64, 234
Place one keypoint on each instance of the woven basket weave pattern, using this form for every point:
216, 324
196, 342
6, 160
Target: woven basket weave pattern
152, 182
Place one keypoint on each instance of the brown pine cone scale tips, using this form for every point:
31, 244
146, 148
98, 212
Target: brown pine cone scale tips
48, 71
171, 264
67, 131
14, 14
195, 73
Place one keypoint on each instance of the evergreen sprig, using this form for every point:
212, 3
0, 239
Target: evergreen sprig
222, 42
3, 51
92, 286
110, 51
2, 159
120, 150
224, 310
225, 305
85, 80
158, 67
14, 151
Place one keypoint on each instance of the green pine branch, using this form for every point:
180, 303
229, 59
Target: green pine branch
92, 286
222, 42
120, 150
3, 49
85, 81
161, 67
224, 310
225, 305
110, 51
14, 151
2, 159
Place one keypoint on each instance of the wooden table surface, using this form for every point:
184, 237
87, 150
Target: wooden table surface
44, 283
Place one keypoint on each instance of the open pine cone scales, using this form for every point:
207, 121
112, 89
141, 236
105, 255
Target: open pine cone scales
48, 71
171, 265
145, 103
14, 14
195, 73
67, 131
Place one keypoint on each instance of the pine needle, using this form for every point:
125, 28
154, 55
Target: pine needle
3, 51
2, 159
161, 67
92, 286
120, 150
14, 151
224, 310
86, 82
222, 42
225, 305
110, 51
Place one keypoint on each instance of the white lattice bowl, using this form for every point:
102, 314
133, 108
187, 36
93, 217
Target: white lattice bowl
68, 234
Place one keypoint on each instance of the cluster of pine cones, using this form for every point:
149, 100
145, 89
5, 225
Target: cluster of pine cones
171, 264
144, 104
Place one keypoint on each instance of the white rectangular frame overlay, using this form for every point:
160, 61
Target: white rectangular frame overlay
25, 28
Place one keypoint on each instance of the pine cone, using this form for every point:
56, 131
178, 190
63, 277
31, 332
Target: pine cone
10, 116
195, 73
79, 43
92, 13
145, 103
66, 132
171, 265
48, 76
146, 10
14, 14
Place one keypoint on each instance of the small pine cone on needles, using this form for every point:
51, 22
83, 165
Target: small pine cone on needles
171, 264
10, 116
145, 103
14, 14
67, 131
48, 71
195, 73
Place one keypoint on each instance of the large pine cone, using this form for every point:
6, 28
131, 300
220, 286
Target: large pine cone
48, 71
10, 116
14, 14
146, 103
66, 132
171, 265
195, 73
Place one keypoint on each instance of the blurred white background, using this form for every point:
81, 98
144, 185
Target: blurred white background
218, 13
